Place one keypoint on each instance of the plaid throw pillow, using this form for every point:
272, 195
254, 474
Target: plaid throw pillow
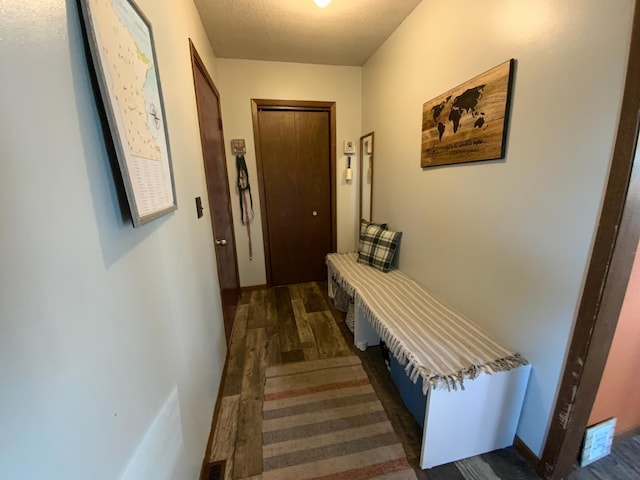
377, 247
364, 224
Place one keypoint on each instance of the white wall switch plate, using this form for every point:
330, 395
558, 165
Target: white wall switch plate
597, 442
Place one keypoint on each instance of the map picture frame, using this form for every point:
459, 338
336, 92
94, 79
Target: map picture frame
123, 54
469, 122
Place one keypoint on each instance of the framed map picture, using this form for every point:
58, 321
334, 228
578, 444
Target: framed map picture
468, 123
121, 45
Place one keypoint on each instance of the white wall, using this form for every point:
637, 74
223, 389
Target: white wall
505, 242
111, 339
242, 80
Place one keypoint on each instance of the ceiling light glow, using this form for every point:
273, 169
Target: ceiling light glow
322, 3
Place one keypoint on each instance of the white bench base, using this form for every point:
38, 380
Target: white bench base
462, 423
481, 418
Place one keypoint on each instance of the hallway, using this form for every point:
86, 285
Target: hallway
297, 323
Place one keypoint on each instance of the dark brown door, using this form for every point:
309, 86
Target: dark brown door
215, 165
296, 173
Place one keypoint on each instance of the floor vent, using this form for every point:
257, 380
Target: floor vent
215, 470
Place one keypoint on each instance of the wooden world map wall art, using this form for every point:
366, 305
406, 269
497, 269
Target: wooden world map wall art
469, 122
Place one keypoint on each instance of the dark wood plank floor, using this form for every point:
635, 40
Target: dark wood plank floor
297, 323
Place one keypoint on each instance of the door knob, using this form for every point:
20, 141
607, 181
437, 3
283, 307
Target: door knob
221, 242
315, 214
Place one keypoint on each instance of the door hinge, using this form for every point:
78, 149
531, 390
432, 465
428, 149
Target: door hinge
220, 123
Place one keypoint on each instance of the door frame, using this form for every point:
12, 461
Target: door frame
605, 286
293, 105
196, 62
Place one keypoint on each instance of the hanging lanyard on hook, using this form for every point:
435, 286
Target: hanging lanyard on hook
246, 200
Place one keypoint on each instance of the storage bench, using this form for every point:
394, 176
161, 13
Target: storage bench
473, 385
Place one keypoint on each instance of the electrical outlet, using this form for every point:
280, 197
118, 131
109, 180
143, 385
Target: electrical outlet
597, 442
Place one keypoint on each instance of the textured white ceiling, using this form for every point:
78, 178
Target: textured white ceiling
347, 32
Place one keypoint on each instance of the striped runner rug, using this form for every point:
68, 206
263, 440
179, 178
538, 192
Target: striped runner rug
323, 421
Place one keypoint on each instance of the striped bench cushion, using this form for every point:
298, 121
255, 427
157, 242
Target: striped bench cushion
434, 342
